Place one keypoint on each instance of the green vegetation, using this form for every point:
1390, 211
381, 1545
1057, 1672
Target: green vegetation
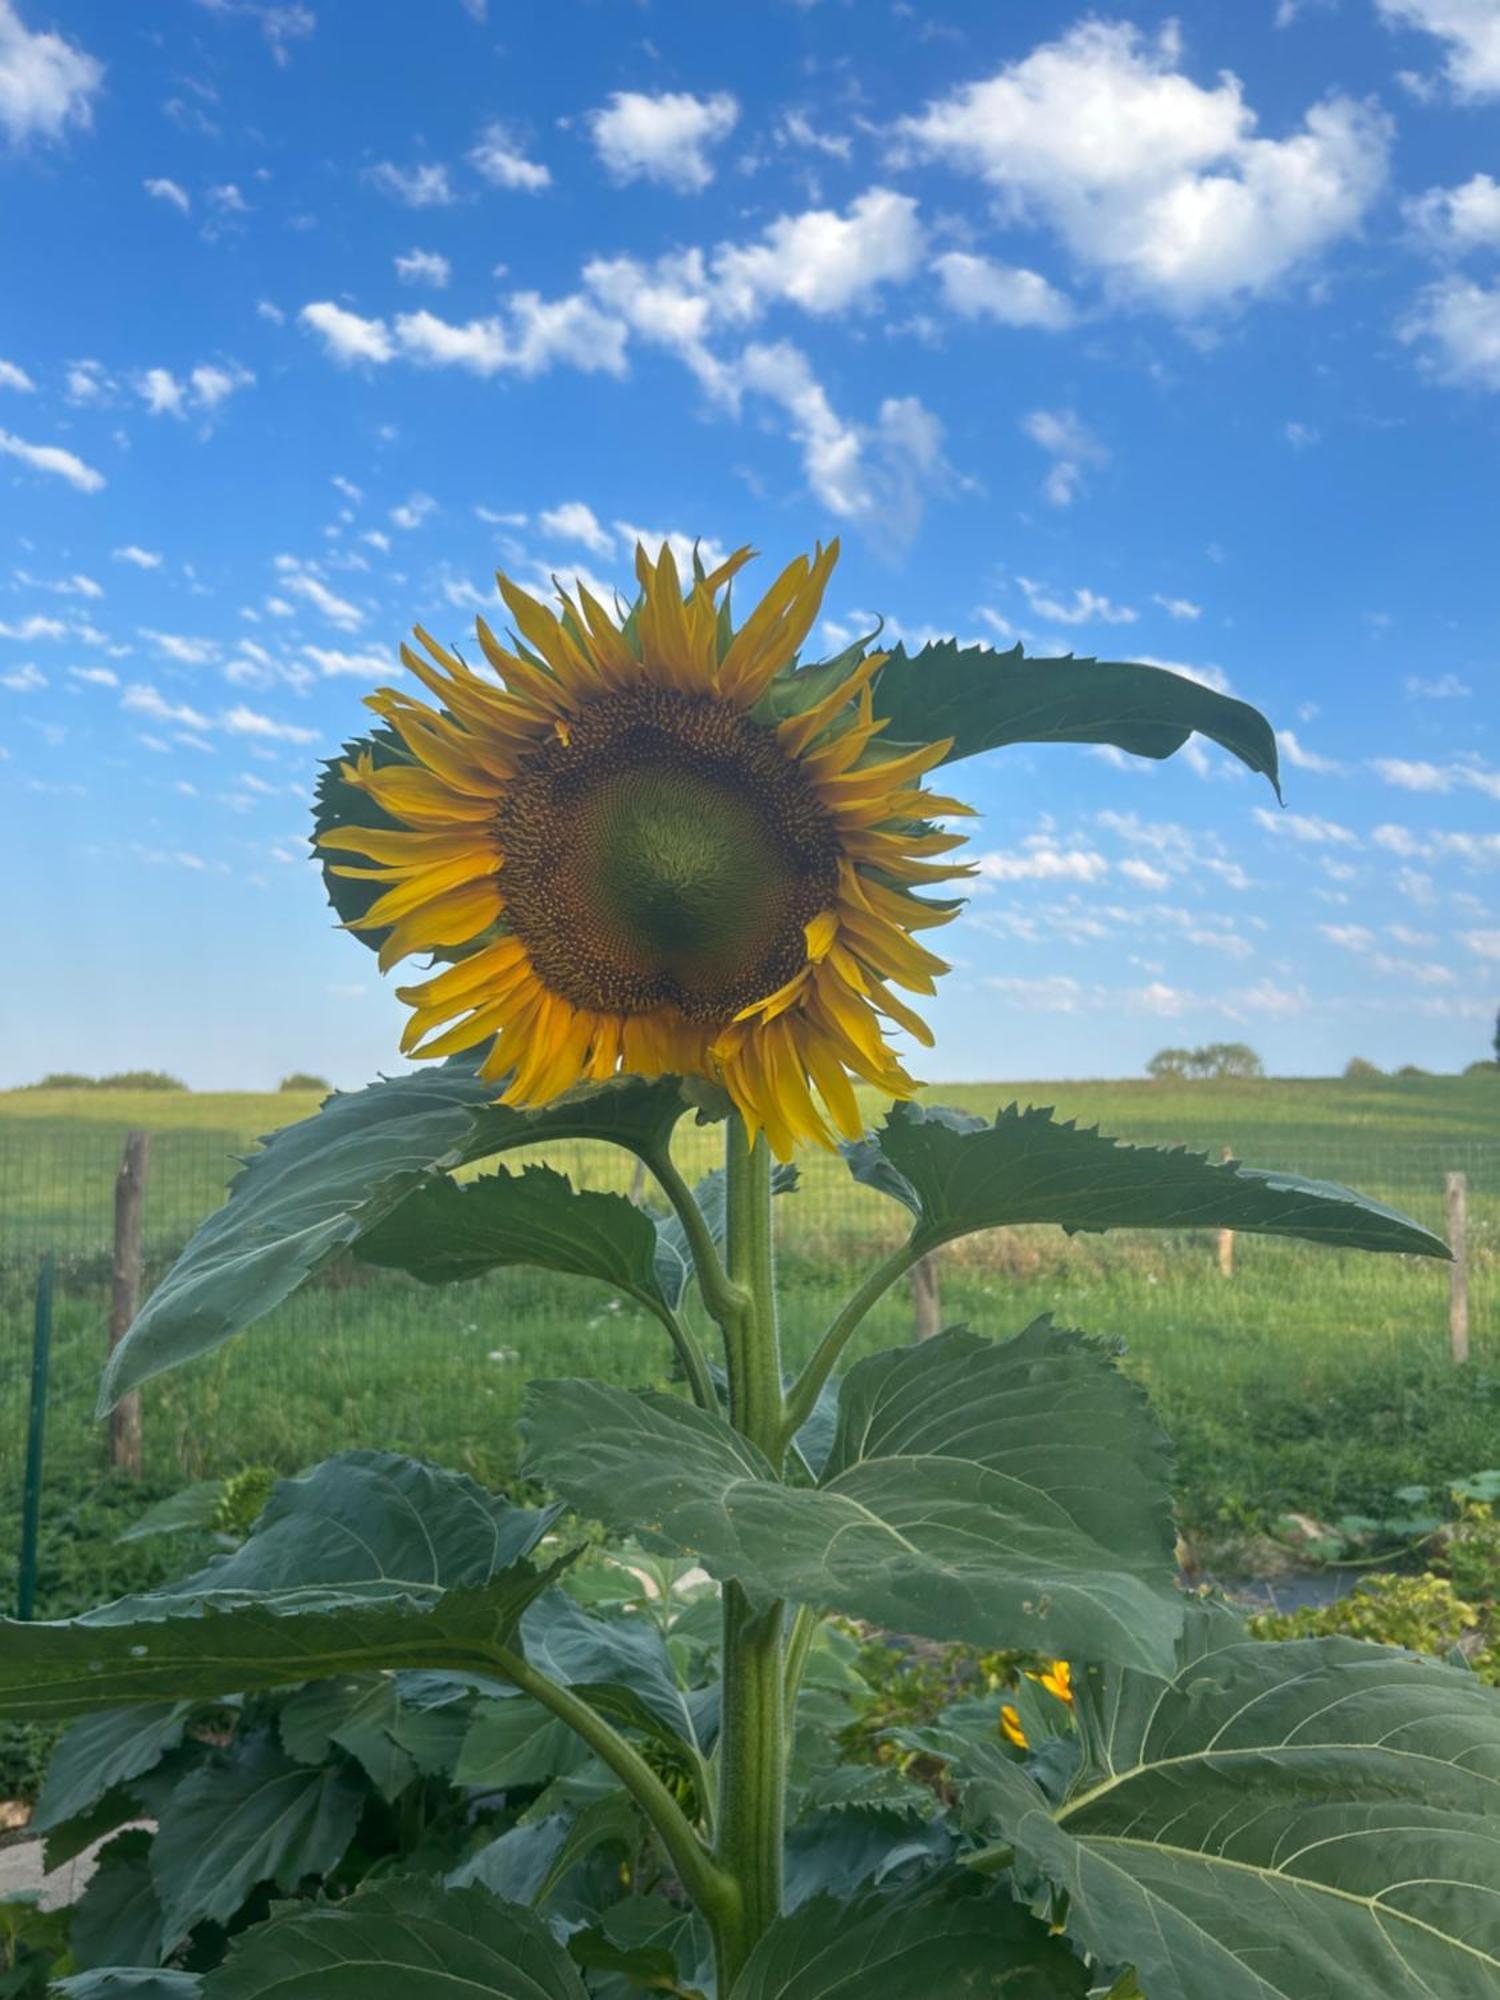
304, 1081
1214, 1060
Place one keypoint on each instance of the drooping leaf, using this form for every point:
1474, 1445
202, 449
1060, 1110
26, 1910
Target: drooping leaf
650, 1944
63, 1669
448, 1230
118, 1918
532, 1861
957, 1174
102, 1751
403, 1940
936, 1937
975, 1489
191, 1509
514, 1742
620, 1664
361, 1713
128, 1982
1317, 1816
249, 1817
316, 1187
984, 699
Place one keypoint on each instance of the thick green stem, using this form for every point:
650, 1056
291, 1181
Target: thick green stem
709, 1885
804, 1393
720, 1297
752, 1754
798, 1646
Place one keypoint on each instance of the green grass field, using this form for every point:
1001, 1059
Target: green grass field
1313, 1379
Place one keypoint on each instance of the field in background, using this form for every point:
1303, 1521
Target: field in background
1312, 1379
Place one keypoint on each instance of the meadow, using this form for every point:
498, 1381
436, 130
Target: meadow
1311, 1380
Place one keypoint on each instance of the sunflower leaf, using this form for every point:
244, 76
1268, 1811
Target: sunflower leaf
935, 1937
974, 1487
399, 1940
129, 1982
958, 1174
1318, 1815
674, 1258
316, 1187
984, 699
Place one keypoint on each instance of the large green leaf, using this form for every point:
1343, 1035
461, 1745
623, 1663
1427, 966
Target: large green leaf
403, 1940
1003, 1493
514, 1741
621, 1665
102, 1751
315, 1188
937, 1937
448, 1230
675, 1270
252, 1816
957, 1174
118, 1918
338, 803
59, 1670
1317, 1817
532, 1861
392, 1740
983, 699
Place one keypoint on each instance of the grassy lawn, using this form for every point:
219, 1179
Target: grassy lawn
1312, 1379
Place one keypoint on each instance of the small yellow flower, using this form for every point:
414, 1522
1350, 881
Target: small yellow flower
642, 852
1010, 1727
1057, 1680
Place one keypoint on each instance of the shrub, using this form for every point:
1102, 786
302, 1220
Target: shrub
1357, 1070
124, 1079
303, 1079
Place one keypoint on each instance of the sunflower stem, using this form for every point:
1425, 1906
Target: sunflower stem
721, 1298
691, 1356
802, 1398
752, 1804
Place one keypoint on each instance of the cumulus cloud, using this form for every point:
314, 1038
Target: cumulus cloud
664, 138
12, 376
1041, 859
1161, 186
54, 459
1308, 829
533, 335
820, 260
348, 337
46, 82
1470, 33
142, 699
423, 186
574, 521
200, 392
1085, 607
1455, 324
498, 159
424, 267
1455, 220
1072, 448
138, 557
1007, 294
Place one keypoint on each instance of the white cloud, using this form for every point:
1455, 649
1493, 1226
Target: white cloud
1041, 859
1177, 607
413, 512
13, 377
103, 677
52, 458
574, 521
161, 189
1456, 323
188, 652
1008, 294
1142, 873
76, 585
503, 163
142, 699
424, 267
663, 138
337, 610
46, 82
1419, 774
33, 627
1056, 994
1471, 31
349, 337
422, 186
1447, 687
1484, 944
87, 382
137, 557
1301, 758
1159, 184
1476, 850
1300, 436
1086, 607
1455, 220
209, 384
203, 390
1305, 828
330, 661
820, 260
25, 679
797, 129
242, 721
228, 198
1072, 447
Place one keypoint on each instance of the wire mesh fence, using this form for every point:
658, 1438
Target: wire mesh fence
364, 1356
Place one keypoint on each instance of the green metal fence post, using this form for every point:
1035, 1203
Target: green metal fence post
31, 1502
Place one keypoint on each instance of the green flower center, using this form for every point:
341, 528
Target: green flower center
669, 853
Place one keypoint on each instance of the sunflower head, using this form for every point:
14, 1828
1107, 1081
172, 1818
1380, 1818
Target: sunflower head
654, 843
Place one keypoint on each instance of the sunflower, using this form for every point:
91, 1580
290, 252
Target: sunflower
656, 845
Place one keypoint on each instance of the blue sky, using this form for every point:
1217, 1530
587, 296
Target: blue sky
1156, 334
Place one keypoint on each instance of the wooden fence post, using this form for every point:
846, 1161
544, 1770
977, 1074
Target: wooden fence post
927, 1301
1226, 1236
125, 1294
1458, 1270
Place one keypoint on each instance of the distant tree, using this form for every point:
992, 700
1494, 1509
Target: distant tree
1495, 1042
1413, 1069
1167, 1064
1484, 1067
1357, 1070
125, 1079
303, 1079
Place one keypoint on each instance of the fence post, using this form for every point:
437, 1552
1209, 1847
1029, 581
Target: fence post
36, 1430
1458, 1270
125, 1451
927, 1305
1226, 1236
